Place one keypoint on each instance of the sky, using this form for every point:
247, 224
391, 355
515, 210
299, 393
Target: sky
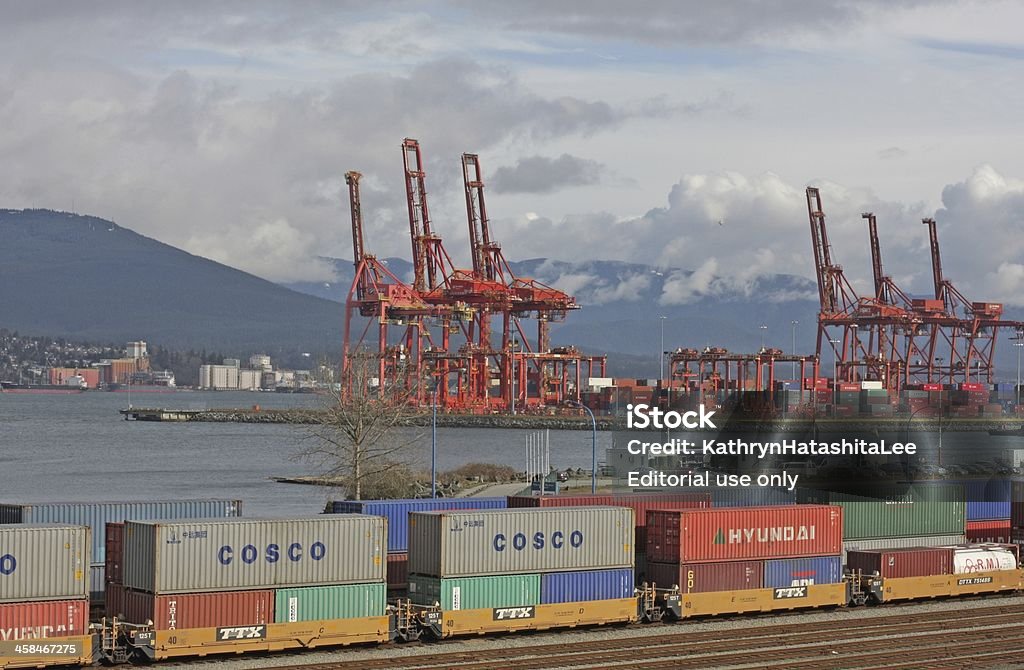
673, 133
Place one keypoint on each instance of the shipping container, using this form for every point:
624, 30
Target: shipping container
803, 571
896, 511
639, 502
574, 587
44, 562
97, 514
97, 583
225, 555
896, 563
520, 541
115, 551
901, 543
986, 498
1017, 503
313, 603
470, 593
743, 533
996, 530
193, 610
397, 512
398, 572
37, 620
708, 577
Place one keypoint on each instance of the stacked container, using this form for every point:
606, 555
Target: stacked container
885, 516
97, 514
211, 573
520, 557
744, 548
44, 587
396, 511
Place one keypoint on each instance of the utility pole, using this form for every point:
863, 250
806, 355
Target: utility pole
764, 327
661, 352
794, 323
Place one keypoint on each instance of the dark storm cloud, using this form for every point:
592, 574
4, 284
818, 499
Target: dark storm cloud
538, 174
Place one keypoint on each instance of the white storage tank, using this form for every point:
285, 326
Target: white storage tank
44, 562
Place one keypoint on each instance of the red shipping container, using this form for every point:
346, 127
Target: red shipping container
28, 621
846, 387
398, 572
931, 387
989, 531
894, 563
705, 577
640, 502
199, 610
114, 541
113, 603
744, 533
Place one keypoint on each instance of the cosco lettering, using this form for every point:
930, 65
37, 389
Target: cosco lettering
538, 541
8, 564
272, 553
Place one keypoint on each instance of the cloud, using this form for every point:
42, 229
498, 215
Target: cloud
891, 152
537, 174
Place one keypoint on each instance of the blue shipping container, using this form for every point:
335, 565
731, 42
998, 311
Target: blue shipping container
987, 499
97, 514
574, 587
803, 571
397, 512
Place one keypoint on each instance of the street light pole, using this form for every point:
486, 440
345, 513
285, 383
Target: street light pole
433, 442
794, 323
764, 327
661, 352
593, 444
1020, 345
835, 377
514, 376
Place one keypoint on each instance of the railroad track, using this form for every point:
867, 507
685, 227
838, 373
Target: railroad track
858, 642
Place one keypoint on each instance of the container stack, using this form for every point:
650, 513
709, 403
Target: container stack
97, 514
743, 548
1017, 512
44, 587
212, 572
396, 511
988, 509
890, 517
466, 560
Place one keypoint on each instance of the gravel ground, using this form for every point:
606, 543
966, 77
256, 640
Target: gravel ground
352, 657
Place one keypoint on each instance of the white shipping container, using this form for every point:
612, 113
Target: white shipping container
163, 557
44, 562
873, 386
520, 541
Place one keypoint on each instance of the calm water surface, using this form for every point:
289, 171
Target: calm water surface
77, 447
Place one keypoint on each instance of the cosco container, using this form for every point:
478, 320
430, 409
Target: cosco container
803, 571
37, 620
470, 593
895, 563
520, 541
901, 543
314, 603
743, 533
575, 587
193, 610
97, 514
897, 511
707, 577
397, 512
226, 555
44, 562
997, 530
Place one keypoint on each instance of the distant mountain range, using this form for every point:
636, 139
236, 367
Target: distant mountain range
87, 279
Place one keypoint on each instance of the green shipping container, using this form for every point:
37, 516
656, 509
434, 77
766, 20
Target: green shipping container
471, 593
350, 601
897, 511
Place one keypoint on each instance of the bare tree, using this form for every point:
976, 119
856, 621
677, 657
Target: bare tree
354, 440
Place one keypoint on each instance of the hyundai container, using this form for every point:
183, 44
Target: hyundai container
349, 601
997, 530
226, 555
895, 563
36, 620
743, 533
397, 512
97, 514
803, 571
193, 610
44, 562
520, 541
586, 585
897, 511
901, 543
470, 593
707, 577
